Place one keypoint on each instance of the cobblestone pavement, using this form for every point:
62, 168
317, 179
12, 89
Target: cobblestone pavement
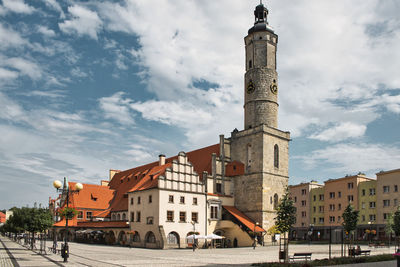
99, 255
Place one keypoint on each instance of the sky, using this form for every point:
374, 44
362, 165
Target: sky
88, 86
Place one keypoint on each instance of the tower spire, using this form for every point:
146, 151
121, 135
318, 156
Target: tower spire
260, 14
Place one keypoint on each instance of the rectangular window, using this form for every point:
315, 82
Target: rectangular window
385, 216
350, 198
350, 185
149, 220
396, 188
331, 218
219, 188
321, 209
214, 212
171, 199
195, 217
303, 214
150, 198
170, 216
303, 192
338, 219
195, 201
386, 189
321, 197
395, 202
339, 194
372, 217
132, 201
339, 206
314, 197
372, 191
138, 200
132, 216
315, 220
138, 216
363, 218
363, 192
303, 203
386, 202
315, 209
372, 205
89, 215
331, 207
363, 205
295, 199
321, 219
182, 200
332, 195
80, 215
182, 216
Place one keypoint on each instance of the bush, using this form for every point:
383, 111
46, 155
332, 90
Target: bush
327, 262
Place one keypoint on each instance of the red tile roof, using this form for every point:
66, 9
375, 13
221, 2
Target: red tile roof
92, 196
234, 168
146, 176
243, 218
2, 217
72, 222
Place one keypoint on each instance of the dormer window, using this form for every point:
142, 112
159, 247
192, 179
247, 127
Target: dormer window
93, 197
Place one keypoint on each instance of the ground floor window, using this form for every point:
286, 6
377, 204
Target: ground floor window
173, 238
150, 237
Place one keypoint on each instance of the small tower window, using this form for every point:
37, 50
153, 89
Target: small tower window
250, 64
276, 156
275, 201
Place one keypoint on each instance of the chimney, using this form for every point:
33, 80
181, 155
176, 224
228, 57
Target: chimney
162, 159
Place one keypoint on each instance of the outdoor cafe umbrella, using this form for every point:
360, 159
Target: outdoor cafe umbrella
214, 236
190, 237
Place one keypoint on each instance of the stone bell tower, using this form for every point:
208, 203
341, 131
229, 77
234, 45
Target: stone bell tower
261, 146
261, 78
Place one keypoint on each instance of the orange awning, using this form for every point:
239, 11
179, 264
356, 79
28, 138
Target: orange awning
243, 218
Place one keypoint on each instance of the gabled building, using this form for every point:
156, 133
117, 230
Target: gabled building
231, 188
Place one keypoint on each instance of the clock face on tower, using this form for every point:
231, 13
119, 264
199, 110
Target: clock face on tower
274, 87
250, 87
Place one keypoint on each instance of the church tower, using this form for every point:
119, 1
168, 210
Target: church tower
261, 146
261, 78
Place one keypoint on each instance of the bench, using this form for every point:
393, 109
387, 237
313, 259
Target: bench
364, 252
301, 256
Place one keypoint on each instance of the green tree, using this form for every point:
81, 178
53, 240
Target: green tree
389, 227
396, 224
285, 219
350, 219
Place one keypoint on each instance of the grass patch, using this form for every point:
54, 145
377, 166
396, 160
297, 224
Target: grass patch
334, 261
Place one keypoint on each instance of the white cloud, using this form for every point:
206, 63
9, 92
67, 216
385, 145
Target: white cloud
10, 110
83, 22
18, 6
49, 94
341, 131
116, 107
45, 31
56, 6
353, 158
6, 74
10, 38
24, 66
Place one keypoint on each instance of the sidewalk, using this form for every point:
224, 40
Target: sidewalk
14, 254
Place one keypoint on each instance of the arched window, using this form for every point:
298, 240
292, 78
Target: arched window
136, 237
250, 64
173, 238
248, 157
150, 237
118, 217
123, 217
113, 217
275, 201
276, 156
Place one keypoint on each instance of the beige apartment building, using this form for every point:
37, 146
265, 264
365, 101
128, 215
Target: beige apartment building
302, 199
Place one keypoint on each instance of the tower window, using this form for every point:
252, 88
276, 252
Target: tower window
276, 156
250, 64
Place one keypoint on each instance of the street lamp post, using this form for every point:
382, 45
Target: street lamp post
65, 190
369, 234
330, 239
255, 237
194, 235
